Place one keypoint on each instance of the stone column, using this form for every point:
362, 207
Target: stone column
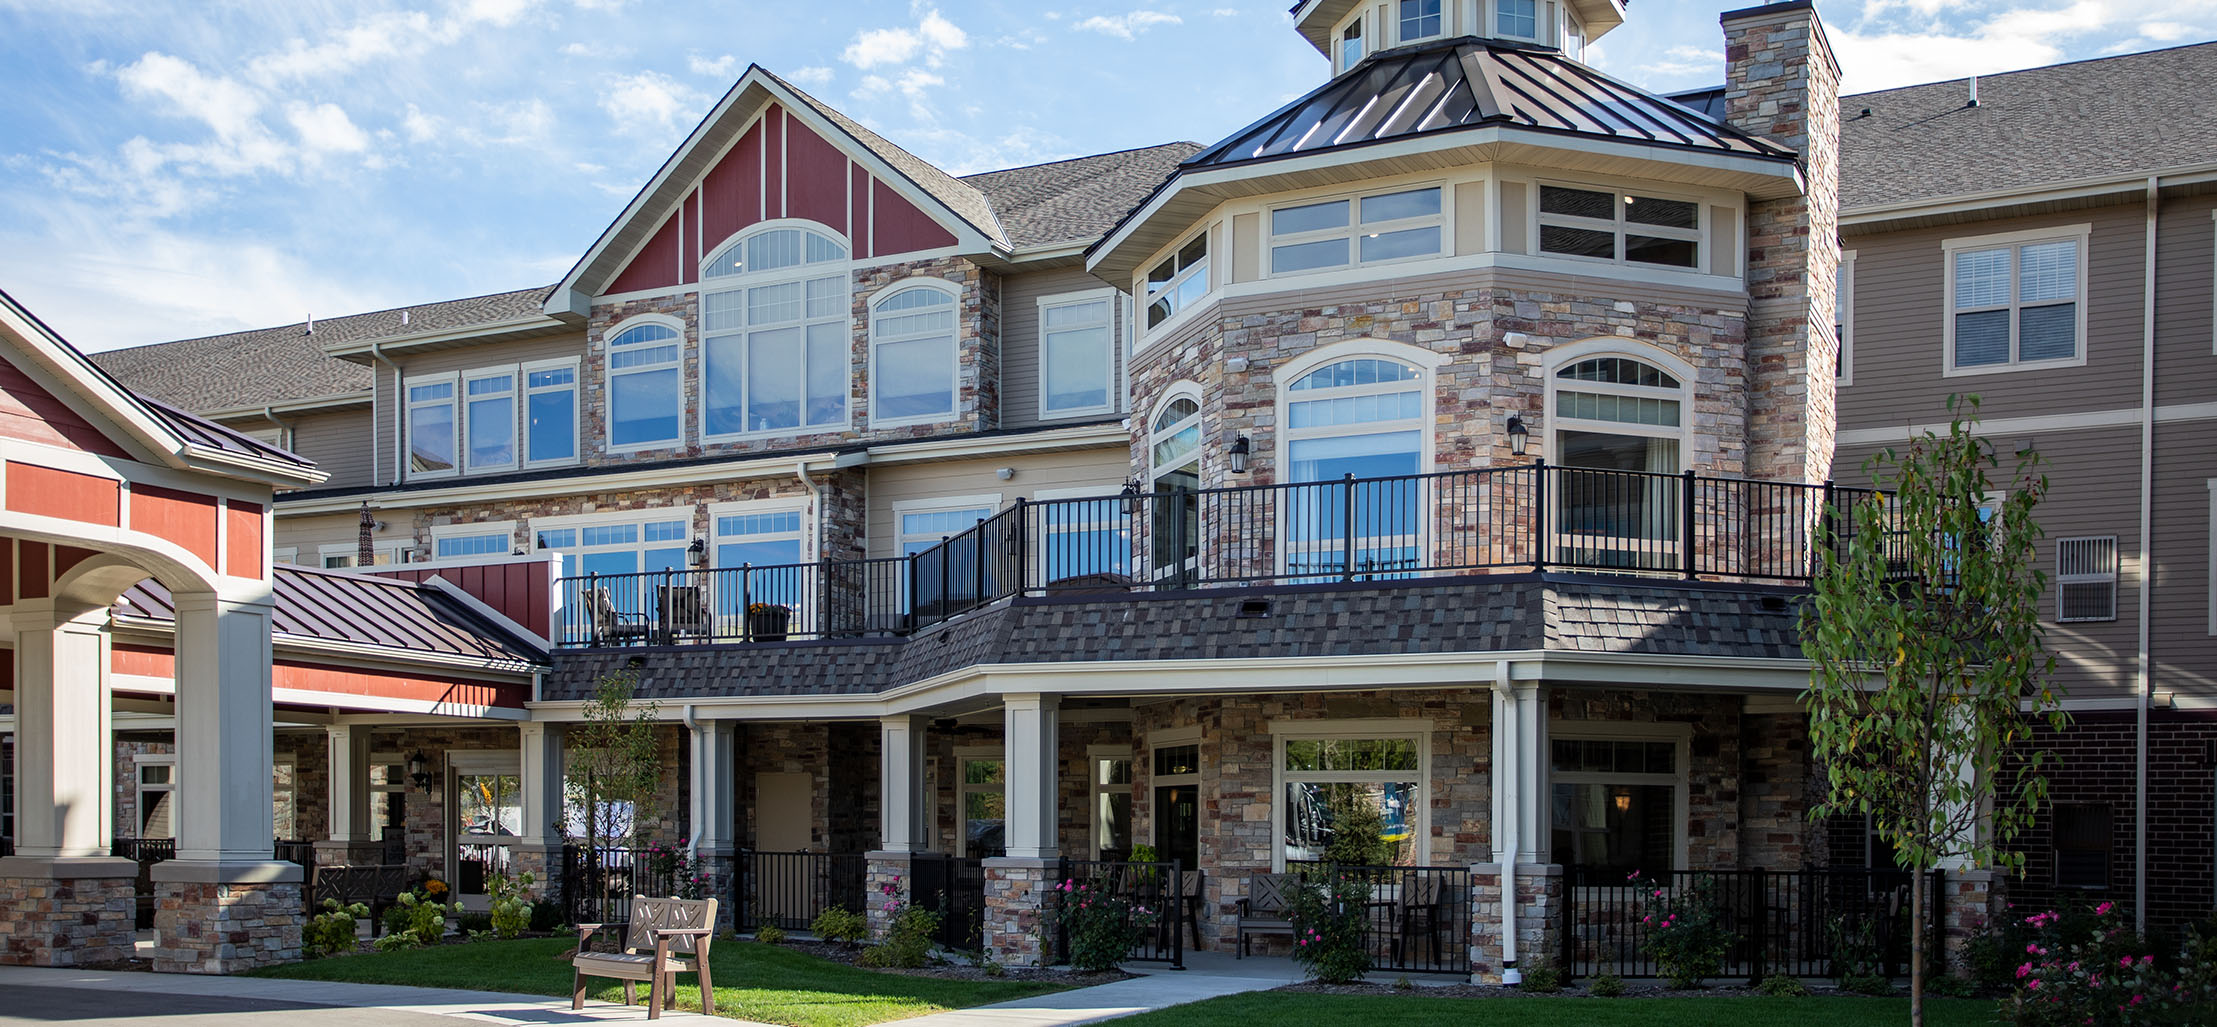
715, 801
1520, 845
63, 901
1968, 902
1016, 885
904, 818
1539, 918
539, 851
223, 905
350, 795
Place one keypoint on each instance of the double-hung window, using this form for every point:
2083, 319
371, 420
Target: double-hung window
1617, 226
1179, 281
431, 441
776, 327
489, 419
2016, 301
644, 387
1372, 229
1420, 19
1077, 355
489, 405
913, 355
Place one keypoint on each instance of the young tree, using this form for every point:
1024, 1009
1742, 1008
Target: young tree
614, 766
1926, 644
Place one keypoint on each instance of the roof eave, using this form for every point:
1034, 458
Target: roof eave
1998, 200
491, 331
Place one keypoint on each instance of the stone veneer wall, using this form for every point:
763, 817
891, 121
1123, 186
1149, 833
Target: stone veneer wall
205, 928
128, 747
67, 921
1778, 785
311, 753
853, 787
1539, 927
784, 748
1074, 782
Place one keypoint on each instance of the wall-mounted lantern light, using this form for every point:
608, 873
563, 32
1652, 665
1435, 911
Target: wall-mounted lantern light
1519, 435
1239, 453
419, 772
697, 553
1132, 502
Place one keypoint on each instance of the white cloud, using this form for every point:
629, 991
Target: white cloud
720, 67
1880, 52
324, 128
648, 102
1226, 12
375, 38
1128, 25
813, 75
932, 37
1683, 62
577, 50
228, 107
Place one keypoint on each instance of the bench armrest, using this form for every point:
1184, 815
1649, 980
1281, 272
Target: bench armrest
682, 932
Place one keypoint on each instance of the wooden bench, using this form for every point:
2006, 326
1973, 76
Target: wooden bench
661, 935
377, 886
1265, 910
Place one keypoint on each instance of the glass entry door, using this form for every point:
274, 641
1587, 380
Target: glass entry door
487, 807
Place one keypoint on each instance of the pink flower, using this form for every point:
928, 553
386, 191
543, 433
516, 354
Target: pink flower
2147, 960
2104, 908
2125, 962
2033, 984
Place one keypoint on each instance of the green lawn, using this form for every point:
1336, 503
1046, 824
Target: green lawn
1391, 1010
753, 982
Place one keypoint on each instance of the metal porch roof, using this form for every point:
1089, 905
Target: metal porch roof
366, 610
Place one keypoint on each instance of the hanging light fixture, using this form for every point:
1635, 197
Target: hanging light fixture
1239, 453
418, 771
1624, 800
1519, 435
697, 553
1132, 502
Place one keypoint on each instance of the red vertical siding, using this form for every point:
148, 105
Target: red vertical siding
731, 192
7, 570
148, 661
242, 530
817, 189
690, 270
186, 518
66, 494
773, 166
66, 557
655, 265
521, 592
858, 186
900, 227
32, 414
37, 581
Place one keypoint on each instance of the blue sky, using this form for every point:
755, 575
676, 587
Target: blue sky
178, 169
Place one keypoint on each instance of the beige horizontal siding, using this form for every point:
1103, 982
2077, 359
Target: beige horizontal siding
1102, 469
464, 358
339, 442
1020, 342
2185, 275
2183, 651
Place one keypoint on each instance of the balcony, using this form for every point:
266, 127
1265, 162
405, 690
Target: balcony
1420, 528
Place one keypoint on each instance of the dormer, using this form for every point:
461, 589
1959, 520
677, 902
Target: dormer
1349, 30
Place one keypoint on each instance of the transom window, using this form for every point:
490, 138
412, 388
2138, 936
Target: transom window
1420, 19
1179, 281
652, 542
1356, 230
488, 543
1616, 807
913, 355
1360, 419
1077, 357
2015, 305
775, 334
1354, 799
644, 391
1617, 226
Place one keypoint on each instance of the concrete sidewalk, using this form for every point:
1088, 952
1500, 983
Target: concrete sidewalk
1154, 989
172, 1000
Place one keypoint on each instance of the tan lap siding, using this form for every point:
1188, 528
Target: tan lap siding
1099, 471
338, 442
2186, 276
2184, 652
1020, 342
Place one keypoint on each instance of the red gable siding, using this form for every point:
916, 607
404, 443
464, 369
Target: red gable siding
655, 266
242, 531
185, 518
521, 592
900, 227
689, 269
773, 164
32, 414
816, 185
731, 192
66, 494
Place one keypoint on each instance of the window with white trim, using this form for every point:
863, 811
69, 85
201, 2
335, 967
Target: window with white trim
2086, 578
2015, 302
1843, 318
769, 538
157, 795
1379, 228
549, 411
341, 555
1373, 782
1617, 804
1420, 19
1351, 44
1179, 281
1077, 355
1517, 19
1084, 533
431, 435
984, 803
776, 331
645, 391
913, 354
489, 419
1177, 801
285, 554
470, 542
1626, 228
1174, 465
1110, 776
1360, 418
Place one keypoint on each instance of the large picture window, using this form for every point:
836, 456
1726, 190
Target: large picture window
2015, 302
1357, 799
644, 390
775, 334
1077, 356
1617, 806
1619, 226
912, 355
1363, 419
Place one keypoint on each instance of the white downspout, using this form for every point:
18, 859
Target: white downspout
1513, 761
693, 739
2142, 671
815, 506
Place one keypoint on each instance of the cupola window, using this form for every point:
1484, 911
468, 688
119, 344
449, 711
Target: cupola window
1420, 19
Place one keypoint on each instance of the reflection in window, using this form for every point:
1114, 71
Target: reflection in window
1620, 227
912, 337
1614, 808
1077, 359
775, 325
1112, 807
1351, 44
1174, 449
1336, 785
490, 410
1358, 419
1179, 281
1420, 19
1619, 437
1519, 19
984, 808
431, 443
643, 387
1366, 230
550, 414
1084, 539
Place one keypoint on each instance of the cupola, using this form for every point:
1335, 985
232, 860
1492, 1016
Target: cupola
1346, 31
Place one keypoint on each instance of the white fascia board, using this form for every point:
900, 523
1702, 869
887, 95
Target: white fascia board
627, 479
304, 404
223, 461
55, 360
2078, 420
1113, 433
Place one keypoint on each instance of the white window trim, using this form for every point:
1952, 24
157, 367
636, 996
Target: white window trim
1354, 232
409, 406
1680, 735
1490, 21
1095, 790
1144, 294
965, 753
1367, 33
505, 529
2081, 235
954, 397
1177, 391
1701, 236
801, 505
739, 283
1844, 315
463, 421
1426, 363
1446, 16
989, 502
1418, 729
1105, 296
285, 554
525, 392
1564, 356
286, 760
140, 789
1099, 493
2113, 577
609, 374
397, 549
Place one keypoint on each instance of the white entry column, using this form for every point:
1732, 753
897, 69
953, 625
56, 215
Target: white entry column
1016, 885
903, 807
1521, 889
542, 755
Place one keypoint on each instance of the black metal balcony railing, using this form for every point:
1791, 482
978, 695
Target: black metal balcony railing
1533, 517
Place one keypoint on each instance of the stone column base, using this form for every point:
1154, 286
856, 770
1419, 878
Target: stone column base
1016, 905
886, 880
544, 864
225, 918
66, 911
1968, 901
1539, 911
717, 865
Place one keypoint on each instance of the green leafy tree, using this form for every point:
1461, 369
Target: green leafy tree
1926, 643
1356, 829
614, 764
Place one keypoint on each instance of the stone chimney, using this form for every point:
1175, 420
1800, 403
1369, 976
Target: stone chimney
1782, 83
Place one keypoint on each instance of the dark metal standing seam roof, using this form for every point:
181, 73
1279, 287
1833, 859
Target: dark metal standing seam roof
1470, 83
362, 609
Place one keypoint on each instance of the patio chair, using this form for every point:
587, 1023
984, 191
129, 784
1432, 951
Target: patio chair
661, 935
1420, 914
684, 611
1265, 910
1189, 904
612, 625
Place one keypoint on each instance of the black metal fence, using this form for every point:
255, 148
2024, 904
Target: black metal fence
599, 882
146, 852
1532, 517
954, 886
297, 853
1163, 900
789, 889
1415, 919
1803, 923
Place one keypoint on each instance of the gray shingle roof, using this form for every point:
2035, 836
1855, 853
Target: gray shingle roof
2111, 116
272, 365
1078, 200
364, 609
967, 203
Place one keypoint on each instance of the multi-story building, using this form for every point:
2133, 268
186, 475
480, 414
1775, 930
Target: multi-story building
1449, 440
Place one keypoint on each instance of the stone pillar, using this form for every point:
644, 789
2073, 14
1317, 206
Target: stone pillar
1968, 902
539, 851
63, 902
1782, 83
1016, 885
1016, 901
1539, 918
715, 801
889, 880
223, 905
1520, 792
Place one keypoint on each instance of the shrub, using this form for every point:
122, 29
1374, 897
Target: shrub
413, 923
1686, 935
546, 917
769, 934
908, 935
1856, 957
1103, 926
841, 926
1867, 984
511, 912
1328, 927
688, 877
1607, 986
1782, 986
332, 931
473, 925
2094, 970
1541, 976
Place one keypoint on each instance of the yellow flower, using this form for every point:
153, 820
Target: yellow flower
434, 886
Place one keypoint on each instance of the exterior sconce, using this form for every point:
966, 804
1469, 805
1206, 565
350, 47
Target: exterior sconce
1624, 801
1519, 435
697, 554
418, 773
1239, 452
1132, 502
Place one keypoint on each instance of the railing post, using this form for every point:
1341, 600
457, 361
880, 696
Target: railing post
1758, 908
908, 616
1174, 912
739, 891
1686, 533
977, 564
1539, 515
746, 602
1347, 528
1021, 525
1824, 534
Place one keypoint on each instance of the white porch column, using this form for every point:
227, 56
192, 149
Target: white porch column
223, 728
1520, 762
64, 761
904, 811
715, 790
542, 754
350, 794
1030, 741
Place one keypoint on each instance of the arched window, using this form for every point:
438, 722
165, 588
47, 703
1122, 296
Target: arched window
1174, 466
644, 390
1618, 430
913, 354
1357, 418
776, 331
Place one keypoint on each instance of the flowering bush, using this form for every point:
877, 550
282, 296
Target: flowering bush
1103, 926
332, 931
764, 608
413, 923
909, 935
511, 903
689, 879
1685, 932
1328, 926
2107, 976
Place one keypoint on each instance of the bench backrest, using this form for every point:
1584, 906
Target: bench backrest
1267, 893
649, 915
